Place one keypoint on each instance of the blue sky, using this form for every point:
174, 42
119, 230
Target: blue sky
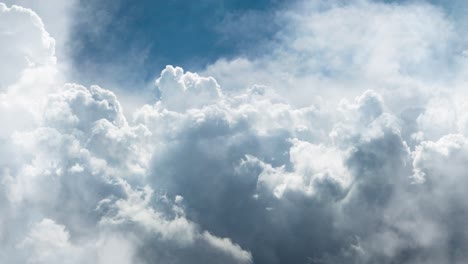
151, 34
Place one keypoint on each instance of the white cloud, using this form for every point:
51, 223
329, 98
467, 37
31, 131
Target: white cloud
56, 16
315, 168
48, 242
333, 49
181, 91
25, 43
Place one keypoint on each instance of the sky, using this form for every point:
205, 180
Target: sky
247, 132
152, 34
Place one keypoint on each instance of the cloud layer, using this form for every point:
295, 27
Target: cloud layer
272, 168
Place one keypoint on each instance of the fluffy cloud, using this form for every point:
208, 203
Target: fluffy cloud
184, 91
208, 174
71, 182
25, 43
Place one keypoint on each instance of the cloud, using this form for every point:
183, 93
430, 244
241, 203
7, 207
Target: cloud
63, 179
324, 49
184, 91
56, 18
246, 173
25, 43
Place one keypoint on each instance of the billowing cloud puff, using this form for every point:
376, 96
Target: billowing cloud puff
25, 43
314, 166
244, 175
184, 91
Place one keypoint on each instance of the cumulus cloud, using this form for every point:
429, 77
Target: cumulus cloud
246, 173
25, 43
184, 91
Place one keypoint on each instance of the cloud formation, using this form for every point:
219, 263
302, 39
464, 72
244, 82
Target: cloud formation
25, 42
250, 173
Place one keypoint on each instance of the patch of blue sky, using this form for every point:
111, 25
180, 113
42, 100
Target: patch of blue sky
131, 41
